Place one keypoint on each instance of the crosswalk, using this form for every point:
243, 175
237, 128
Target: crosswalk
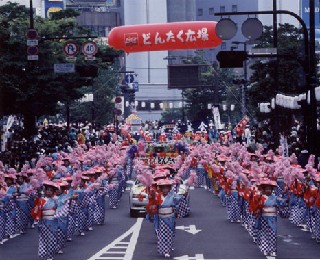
122, 248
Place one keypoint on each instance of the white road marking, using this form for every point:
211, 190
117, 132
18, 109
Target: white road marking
6, 239
186, 257
190, 229
119, 244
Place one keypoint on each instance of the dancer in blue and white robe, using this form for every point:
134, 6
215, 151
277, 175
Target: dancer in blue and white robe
167, 218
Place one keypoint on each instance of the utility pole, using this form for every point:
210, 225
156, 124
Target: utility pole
31, 15
312, 137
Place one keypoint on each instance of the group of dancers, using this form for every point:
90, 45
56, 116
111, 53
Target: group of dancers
255, 188
64, 195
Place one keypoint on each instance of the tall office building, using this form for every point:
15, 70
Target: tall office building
99, 16
151, 67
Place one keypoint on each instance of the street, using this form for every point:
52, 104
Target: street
205, 234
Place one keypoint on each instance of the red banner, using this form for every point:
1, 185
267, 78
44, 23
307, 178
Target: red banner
166, 36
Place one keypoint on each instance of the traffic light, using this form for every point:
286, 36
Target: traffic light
231, 59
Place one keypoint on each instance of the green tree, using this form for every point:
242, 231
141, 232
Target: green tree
171, 115
32, 88
283, 75
219, 88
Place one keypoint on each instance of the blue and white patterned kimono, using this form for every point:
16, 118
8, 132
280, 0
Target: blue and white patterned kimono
72, 216
233, 209
113, 193
83, 212
101, 203
2, 220
23, 208
10, 212
267, 234
167, 222
63, 199
48, 228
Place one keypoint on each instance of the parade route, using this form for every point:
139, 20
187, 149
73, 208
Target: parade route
122, 237
127, 248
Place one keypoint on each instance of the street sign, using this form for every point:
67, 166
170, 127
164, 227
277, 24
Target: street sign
118, 100
136, 86
89, 49
70, 49
32, 44
32, 34
129, 78
32, 53
64, 68
118, 105
118, 112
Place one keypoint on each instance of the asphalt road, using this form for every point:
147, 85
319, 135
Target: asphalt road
205, 234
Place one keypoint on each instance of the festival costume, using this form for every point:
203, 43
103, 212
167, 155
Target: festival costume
316, 230
297, 204
113, 192
234, 206
167, 223
48, 226
101, 203
62, 200
10, 211
268, 225
23, 208
2, 219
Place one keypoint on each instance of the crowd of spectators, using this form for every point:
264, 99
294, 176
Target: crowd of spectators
49, 139
52, 138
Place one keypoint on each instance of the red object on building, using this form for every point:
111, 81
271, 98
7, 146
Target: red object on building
164, 36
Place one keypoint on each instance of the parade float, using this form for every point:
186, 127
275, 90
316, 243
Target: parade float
133, 122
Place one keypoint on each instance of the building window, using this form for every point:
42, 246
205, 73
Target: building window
223, 46
234, 8
200, 11
222, 8
211, 11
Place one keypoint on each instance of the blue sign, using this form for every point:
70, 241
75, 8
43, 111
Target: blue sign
136, 86
305, 15
129, 78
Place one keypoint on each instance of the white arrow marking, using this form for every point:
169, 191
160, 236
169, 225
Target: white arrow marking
190, 229
186, 257
128, 247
